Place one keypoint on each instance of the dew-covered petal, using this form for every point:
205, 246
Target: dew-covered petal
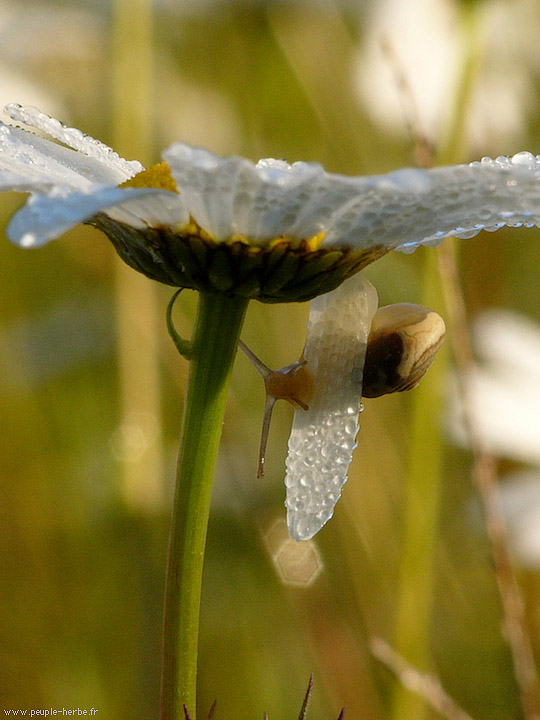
108, 160
323, 438
207, 184
325, 194
400, 210
29, 163
232, 196
411, 207
44, 218
159, 208
283, 193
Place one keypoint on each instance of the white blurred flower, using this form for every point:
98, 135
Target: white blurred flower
504, 387
504, 392
519, 495
51, 51
426, 40
415, 32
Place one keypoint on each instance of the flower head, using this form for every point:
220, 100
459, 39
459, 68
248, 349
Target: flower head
269, 231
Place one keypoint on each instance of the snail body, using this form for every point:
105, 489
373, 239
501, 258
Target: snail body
352, 350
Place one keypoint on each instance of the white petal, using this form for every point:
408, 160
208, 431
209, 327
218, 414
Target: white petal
323, 438
44, 218
283, 195
228, 196
208, 185
271, 196
32, 163
159, 208
400, 210
75, 139
408, 208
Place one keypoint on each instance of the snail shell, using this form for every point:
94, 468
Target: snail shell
403, 341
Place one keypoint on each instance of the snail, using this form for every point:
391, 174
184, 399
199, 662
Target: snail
352, 350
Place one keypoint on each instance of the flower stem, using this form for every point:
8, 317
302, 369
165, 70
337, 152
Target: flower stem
218, 324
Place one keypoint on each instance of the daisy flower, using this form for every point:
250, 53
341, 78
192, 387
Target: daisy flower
269, 231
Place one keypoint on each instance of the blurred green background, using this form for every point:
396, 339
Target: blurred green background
91, 386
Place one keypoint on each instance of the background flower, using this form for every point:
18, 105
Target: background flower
520, 501
504, 386
504, 398
507, 59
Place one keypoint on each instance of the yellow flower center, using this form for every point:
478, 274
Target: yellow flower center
157, 176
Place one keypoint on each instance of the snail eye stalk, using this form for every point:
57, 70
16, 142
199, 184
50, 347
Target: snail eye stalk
292, 383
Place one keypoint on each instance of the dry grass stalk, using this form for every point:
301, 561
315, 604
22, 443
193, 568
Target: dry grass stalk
428, 686
484, 473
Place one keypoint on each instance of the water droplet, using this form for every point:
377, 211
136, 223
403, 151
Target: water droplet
524, 158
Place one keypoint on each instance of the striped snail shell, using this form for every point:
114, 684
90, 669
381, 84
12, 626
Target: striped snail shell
403, 341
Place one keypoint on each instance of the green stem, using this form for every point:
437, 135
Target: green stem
218, 325
421, 518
